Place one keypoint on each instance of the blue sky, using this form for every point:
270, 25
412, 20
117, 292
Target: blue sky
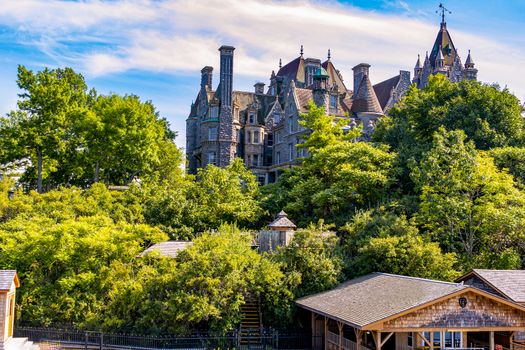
155, 49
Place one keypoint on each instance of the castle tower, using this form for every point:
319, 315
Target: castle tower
227, 134
320, 88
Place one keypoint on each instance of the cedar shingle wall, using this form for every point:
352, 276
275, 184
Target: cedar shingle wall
479, 312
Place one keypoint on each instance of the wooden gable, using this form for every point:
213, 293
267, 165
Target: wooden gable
469, 309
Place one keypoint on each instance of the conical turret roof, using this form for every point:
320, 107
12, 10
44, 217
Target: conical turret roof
365, 99
469, 61
282, 221
418, 63
445, 46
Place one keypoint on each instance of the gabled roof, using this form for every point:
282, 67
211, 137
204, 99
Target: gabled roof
376, 296
169, 249
303, 97
7, 277
384, 89
334, 76
365, 99
509, 283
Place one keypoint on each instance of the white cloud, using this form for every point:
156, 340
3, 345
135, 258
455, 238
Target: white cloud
181, 36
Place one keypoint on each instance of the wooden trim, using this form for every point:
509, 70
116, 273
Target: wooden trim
462, 278
340, 326
446, 329
425, 339
335, 318
375, 325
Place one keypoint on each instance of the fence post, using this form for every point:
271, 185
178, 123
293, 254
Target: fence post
276, 339
86, 337
101, 341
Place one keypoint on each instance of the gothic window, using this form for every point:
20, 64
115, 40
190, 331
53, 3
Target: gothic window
276, 117
278, 158
248, 136
255, 160
212, 133
212, 158
270, 139
214, 112
256, 137
290, 125
333, 101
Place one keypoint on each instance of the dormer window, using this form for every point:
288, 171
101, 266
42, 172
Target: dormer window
251, 118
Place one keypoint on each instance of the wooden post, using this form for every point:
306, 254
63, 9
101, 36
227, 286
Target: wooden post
313, 330
464, 341
340, 329
378, 340
491, 340
326, 333
511, 340
358, 335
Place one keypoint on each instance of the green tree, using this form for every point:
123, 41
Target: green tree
511, 159
49, 101
204, 288
467, 204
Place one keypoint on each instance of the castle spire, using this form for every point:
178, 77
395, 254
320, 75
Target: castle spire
418, 63
469, 63
329, 55
301, 50
280, 63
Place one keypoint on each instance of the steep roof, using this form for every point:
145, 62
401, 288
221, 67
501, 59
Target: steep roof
448, 49
303, 97
365, 99
168, 249
244, 99
384, 89
334, 76
376, 296
510, 283
293, 70
7, 277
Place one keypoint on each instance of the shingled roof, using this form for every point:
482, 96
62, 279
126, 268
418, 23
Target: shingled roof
282, 221
442, 44
510, 283
383, 90
7, 277
376, 296
365, 99
168, 249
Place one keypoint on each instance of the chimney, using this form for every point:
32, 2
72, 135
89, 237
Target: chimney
206, 77
360, 71
259, 88
226, 82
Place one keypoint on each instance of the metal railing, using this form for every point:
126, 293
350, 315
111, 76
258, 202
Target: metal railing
257, 339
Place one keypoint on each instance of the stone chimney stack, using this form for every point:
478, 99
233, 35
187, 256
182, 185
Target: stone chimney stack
259, 88
226, 72
360, 71
206, 77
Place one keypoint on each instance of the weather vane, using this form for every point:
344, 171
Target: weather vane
443, 10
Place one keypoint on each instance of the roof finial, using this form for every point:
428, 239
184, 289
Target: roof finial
280, 63
329, 55
443, 10
301, 50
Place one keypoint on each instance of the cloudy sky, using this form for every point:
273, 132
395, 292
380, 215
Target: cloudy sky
156, 48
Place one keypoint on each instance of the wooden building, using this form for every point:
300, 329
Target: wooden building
390, 312
8, 284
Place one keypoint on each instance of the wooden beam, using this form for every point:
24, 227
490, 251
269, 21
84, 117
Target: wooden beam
377, 340
491, 340
386, 338
425, 339
358, 335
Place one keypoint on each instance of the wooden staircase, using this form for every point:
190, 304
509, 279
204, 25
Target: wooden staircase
251, 322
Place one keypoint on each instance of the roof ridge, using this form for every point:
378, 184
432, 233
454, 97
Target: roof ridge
420, 279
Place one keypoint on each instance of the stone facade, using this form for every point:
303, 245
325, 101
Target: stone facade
262, 127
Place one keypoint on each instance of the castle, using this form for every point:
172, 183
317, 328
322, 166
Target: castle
262, 126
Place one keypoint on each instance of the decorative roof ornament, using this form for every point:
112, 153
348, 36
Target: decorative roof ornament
280, 63
302, 50
418, 63
443, 10
329, 55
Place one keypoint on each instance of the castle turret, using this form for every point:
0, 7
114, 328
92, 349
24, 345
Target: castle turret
471, 73
320, 87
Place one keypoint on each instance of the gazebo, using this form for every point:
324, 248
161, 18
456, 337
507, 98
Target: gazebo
8, 284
